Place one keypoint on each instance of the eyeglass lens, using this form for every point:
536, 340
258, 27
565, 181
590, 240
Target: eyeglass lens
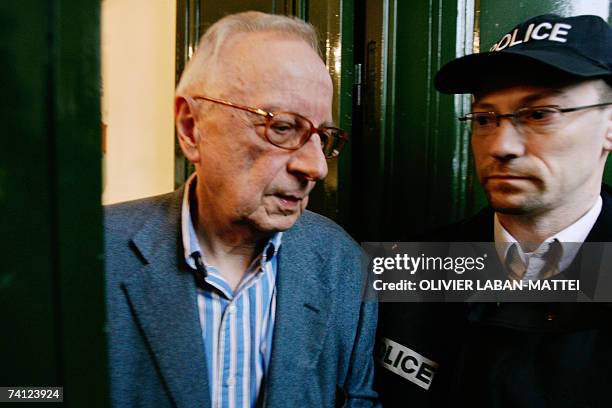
292, 131
539, 119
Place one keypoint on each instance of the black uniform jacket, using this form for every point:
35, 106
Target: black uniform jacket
494, 355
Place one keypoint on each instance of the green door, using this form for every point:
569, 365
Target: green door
412, 154
51, 279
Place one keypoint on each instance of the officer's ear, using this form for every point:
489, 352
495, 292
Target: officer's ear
186, 128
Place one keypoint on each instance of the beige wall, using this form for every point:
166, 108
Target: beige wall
138, 43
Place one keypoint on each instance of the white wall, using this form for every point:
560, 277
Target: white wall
600, 8
138, 44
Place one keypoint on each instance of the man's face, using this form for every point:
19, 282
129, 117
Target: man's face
525, 172
241, 176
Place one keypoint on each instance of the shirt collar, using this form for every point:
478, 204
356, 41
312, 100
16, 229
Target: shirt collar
190, 238
570, 236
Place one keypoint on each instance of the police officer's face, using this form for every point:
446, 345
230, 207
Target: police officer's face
531, 172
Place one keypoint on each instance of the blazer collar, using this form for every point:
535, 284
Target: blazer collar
163, 296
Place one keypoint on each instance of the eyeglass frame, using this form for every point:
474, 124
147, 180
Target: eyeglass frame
343, 136
514, 115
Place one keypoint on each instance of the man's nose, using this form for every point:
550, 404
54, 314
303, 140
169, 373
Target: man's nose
309, 161
506, 142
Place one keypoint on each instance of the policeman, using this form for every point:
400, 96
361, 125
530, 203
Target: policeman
541, 124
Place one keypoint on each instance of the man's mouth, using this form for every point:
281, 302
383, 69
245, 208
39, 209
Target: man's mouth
508, 177
289, 200
510, 183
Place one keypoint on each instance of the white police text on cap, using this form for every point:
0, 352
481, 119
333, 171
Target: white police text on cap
557, 32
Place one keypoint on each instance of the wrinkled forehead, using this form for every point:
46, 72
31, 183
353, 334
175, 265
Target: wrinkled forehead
271, 62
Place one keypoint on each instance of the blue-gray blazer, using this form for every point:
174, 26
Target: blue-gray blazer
323, 334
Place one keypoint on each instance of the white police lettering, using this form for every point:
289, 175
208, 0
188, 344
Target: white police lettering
536, 31
406, 363
503, 43
514, 42
528, 32
558, 31
542, 31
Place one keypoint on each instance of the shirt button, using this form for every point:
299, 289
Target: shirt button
231, 381
232, 309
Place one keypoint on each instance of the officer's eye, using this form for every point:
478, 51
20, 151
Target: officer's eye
539, 116
482, 119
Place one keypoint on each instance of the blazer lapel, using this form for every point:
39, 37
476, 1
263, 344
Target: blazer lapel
163, 297
302, 313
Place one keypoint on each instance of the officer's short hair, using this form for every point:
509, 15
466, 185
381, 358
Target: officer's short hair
605, 91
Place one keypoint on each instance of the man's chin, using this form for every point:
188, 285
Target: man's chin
510, 210
276, 222
512, 204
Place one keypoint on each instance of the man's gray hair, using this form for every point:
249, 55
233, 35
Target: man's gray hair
204, 60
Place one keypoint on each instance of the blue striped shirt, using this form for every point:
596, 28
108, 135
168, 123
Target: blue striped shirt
237, 326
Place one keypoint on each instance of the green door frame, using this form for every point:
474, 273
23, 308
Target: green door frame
51, 280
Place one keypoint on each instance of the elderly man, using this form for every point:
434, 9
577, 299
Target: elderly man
227, 292
541, 125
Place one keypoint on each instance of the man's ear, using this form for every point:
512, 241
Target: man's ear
186, 129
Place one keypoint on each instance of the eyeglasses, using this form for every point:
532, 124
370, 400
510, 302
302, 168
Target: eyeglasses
537, 119
291, 131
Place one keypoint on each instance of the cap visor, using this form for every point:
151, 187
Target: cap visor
471, 72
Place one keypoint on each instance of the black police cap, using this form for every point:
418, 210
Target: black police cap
579, 46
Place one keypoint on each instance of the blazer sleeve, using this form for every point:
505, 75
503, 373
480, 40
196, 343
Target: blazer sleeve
358, 387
